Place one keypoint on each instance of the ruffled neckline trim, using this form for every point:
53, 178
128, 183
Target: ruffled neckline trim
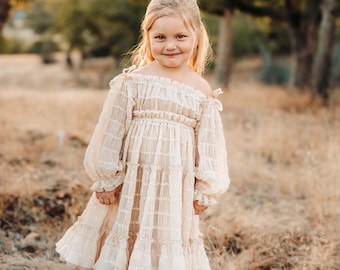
192, 89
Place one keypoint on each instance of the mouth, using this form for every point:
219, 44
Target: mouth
171, 54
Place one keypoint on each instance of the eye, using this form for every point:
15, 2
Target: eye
181, 36
160, 37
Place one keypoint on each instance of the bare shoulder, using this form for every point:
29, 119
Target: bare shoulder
201, 84
141, 70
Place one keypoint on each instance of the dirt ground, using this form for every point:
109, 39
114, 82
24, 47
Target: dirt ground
282, 210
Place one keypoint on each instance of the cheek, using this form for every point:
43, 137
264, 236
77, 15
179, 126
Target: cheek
155, 47
190, 47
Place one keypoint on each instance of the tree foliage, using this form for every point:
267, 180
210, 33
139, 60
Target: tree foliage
4, 12
300, 18
5, 8
95, 27
40, 17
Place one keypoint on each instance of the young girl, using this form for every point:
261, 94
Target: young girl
157, 155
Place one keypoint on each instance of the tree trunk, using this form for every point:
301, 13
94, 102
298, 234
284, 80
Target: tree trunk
4, 12
303, 35
322, 64
224, 50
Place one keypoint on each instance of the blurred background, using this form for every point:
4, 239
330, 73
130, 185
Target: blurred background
297, 41
278, 62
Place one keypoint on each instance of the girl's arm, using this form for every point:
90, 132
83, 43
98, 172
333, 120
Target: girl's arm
103, 159
212, 178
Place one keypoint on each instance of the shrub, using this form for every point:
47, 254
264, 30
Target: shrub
275, 73
45, 48
11, 46
41, 46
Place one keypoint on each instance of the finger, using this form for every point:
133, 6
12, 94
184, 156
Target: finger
112, 200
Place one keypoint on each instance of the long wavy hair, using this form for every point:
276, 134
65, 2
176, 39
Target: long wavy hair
189, 11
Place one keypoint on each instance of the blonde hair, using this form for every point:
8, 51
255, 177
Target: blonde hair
189, 11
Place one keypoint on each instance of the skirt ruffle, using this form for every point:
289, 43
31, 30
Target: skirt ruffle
76, 246
155, 229
143, 257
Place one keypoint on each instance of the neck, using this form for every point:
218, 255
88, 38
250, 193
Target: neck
168, 70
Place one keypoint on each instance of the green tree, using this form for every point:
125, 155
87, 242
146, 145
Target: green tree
99, 26
4, 12
6, 6
94, 27
302, 19
41, 19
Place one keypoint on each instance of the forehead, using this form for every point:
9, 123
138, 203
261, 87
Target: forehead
169, 24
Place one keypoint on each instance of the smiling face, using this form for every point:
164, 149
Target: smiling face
172, 42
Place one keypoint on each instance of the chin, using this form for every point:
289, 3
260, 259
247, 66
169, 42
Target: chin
173, 65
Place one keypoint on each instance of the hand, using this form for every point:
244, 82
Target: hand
109, 197
199, 208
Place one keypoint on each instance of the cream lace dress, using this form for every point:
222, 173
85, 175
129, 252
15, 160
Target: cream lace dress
164, 141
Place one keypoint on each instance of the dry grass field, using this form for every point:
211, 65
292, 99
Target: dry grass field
282, 210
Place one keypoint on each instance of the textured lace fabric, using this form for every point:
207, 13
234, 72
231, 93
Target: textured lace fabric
164, 142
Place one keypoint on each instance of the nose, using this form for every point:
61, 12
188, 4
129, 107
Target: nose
170, 45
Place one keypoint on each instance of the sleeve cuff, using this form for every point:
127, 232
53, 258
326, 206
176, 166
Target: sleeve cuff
108, 185
204, 200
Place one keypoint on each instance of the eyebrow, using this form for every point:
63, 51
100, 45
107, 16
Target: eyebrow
179, 33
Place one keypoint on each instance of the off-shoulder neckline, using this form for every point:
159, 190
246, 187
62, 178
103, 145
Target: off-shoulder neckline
172, 81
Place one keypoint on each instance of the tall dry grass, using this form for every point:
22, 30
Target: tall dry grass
283, 207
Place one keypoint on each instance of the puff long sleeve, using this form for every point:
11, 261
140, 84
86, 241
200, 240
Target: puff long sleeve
212, 178
103, 158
